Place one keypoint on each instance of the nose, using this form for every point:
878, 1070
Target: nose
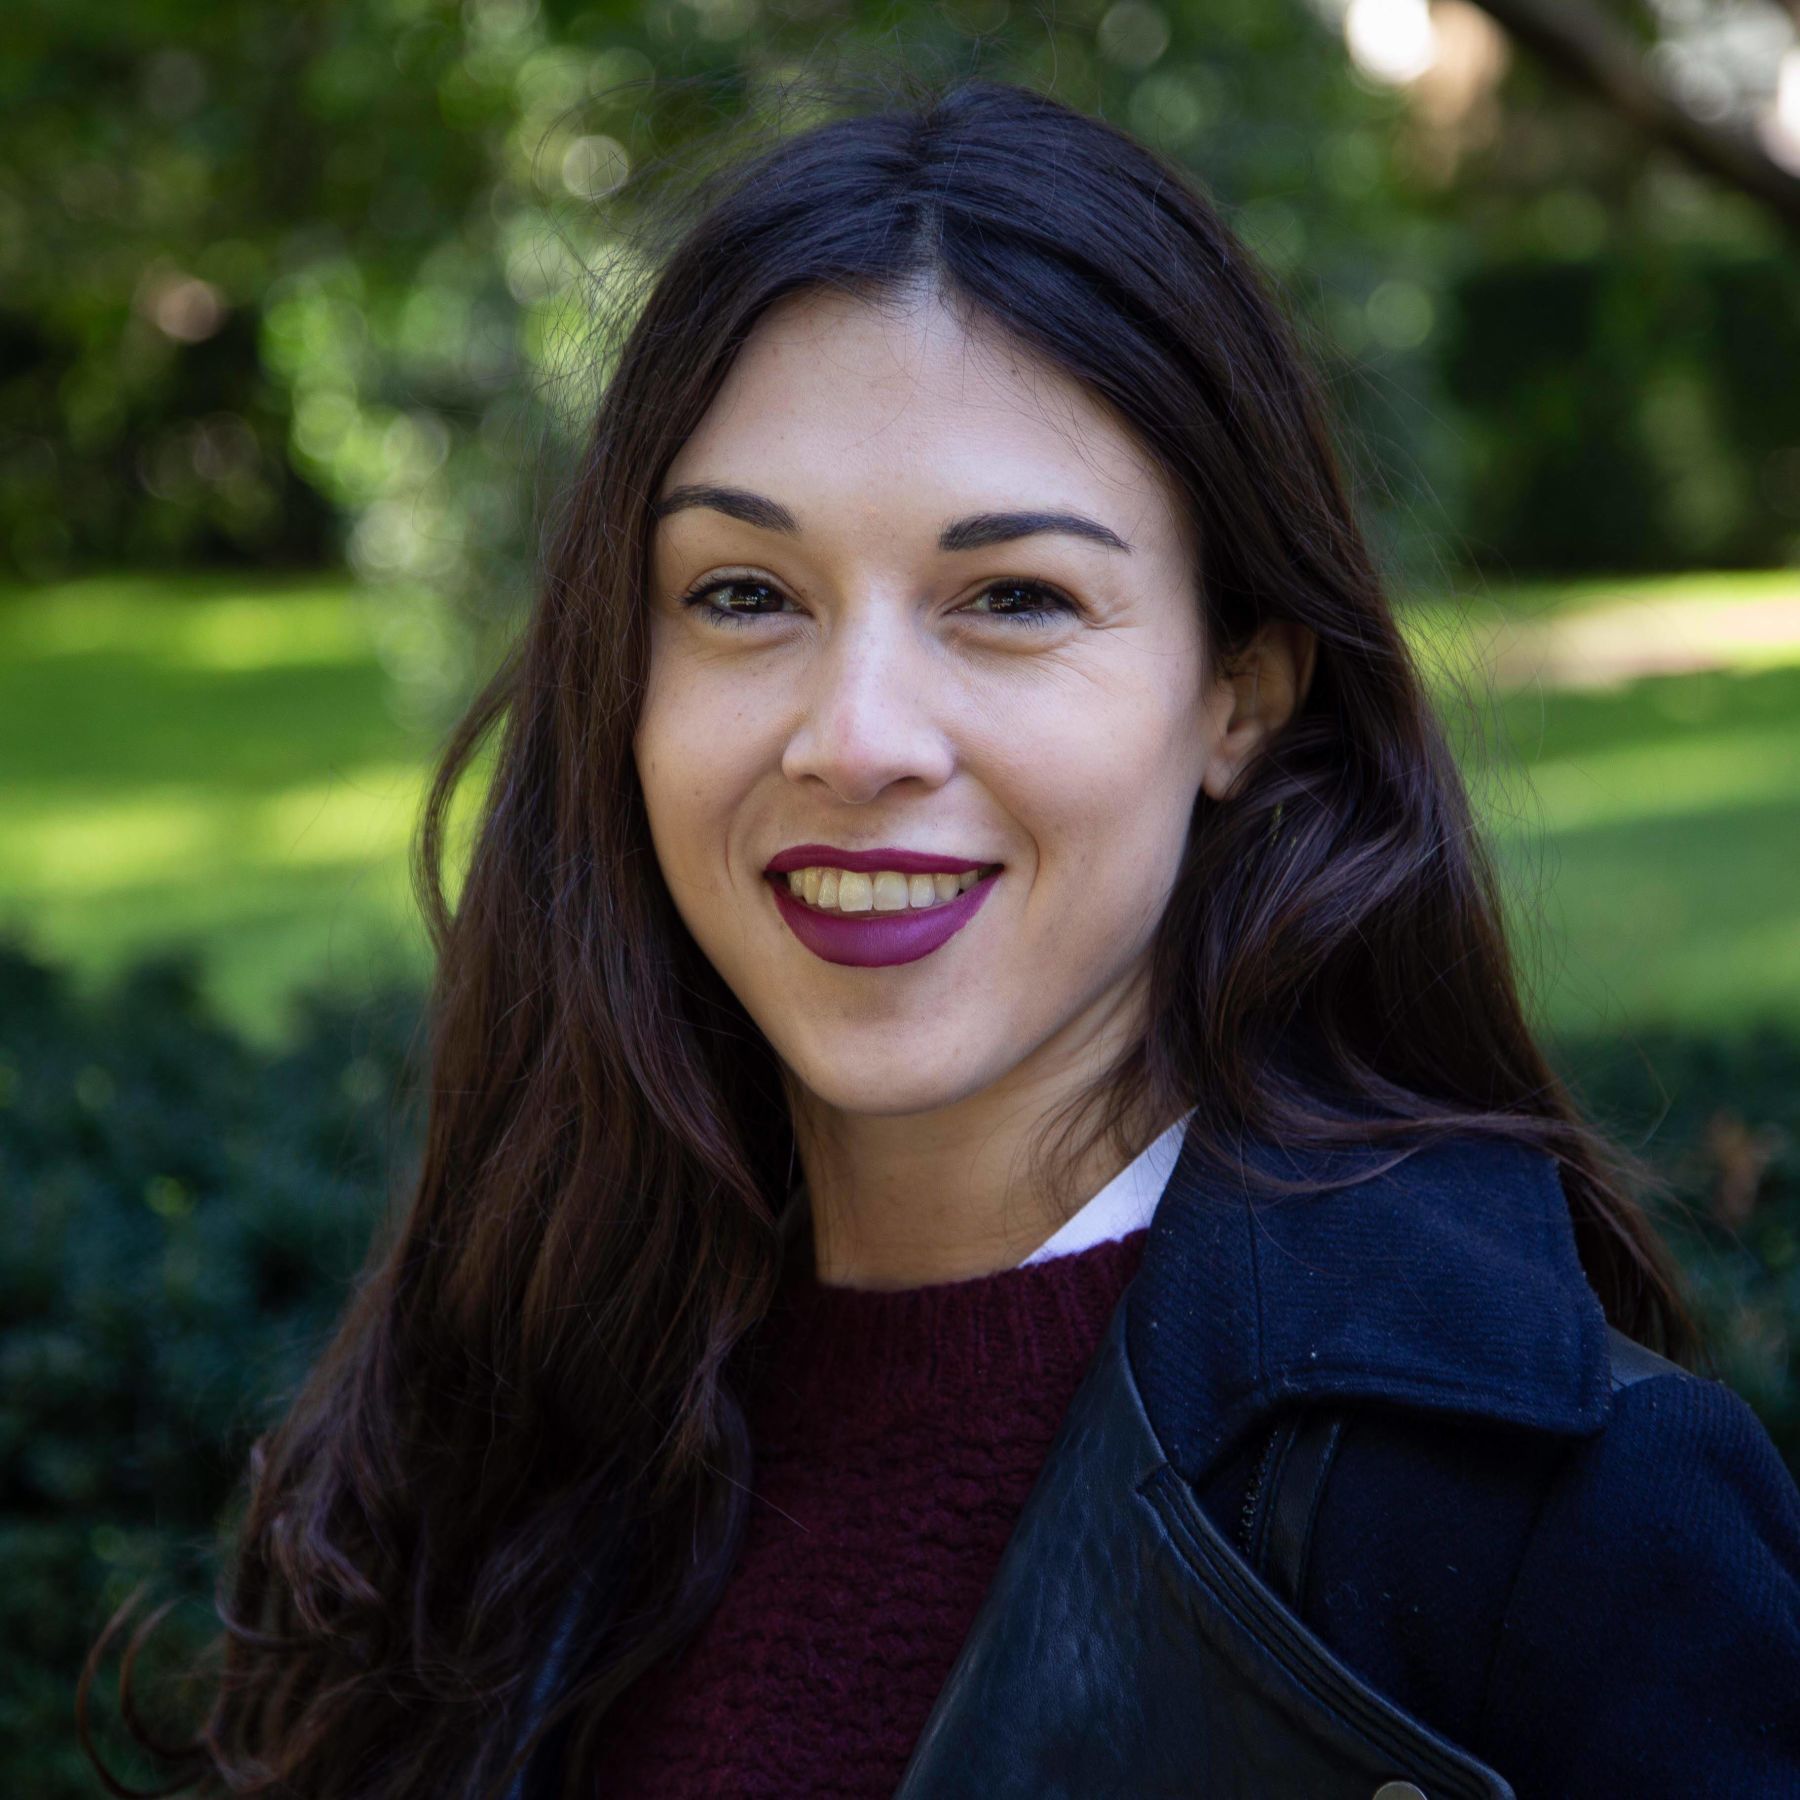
866, 718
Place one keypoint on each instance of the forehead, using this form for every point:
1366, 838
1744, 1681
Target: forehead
850, 411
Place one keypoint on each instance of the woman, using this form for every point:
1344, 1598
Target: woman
975, 1064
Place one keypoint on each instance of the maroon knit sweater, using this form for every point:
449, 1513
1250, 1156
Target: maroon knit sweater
897, 1434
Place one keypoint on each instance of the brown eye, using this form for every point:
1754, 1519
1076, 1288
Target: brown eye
718, 601
1026, 602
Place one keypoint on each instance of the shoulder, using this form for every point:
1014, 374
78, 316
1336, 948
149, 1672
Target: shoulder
1650, 1639
1615, 1614
1594, 1586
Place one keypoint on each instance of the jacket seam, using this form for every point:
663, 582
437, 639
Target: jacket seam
1250, 1222
1243, 1414
1300, 1377
1377, 1720
1340, 1429
1554, 1480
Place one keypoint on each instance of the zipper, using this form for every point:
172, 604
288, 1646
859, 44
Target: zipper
1343, 1698
1247, 1519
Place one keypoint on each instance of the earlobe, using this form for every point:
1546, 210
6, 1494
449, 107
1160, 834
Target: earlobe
1267, 683
1216, 778
1231, 746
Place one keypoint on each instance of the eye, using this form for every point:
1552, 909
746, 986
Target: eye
1026, 603
762, 598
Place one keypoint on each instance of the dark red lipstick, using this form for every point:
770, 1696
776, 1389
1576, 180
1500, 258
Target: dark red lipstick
870, 862
876, 940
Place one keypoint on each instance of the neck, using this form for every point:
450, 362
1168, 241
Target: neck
905, 1200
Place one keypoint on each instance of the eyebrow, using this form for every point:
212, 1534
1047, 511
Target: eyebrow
975, 532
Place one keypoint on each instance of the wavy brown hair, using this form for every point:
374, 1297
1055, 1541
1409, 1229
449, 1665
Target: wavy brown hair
534, 1389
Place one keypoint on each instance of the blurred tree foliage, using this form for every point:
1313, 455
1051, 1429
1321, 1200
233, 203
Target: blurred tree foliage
1630, 412
284, 283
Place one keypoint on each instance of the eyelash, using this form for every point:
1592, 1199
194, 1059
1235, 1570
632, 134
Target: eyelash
730, 620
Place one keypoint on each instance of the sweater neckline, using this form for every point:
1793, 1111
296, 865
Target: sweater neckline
858, 1355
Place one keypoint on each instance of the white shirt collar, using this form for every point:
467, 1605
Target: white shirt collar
1124, 1205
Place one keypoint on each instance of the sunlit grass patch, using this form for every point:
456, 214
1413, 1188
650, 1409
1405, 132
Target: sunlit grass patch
208, 761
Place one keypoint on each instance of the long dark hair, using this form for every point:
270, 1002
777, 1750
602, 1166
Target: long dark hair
534, 1384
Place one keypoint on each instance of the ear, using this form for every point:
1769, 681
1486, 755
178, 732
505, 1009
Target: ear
1255, 696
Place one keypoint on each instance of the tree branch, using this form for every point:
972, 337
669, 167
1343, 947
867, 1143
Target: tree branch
1585, 48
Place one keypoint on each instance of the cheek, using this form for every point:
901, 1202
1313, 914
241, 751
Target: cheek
1105, 781
699, 751
680, 783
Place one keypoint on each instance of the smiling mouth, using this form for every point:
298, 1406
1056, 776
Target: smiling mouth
846, 893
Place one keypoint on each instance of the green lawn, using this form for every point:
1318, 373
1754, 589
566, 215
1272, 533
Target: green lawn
1650, 837
208, 762
220, 762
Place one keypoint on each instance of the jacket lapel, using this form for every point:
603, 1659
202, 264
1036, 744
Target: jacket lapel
1124, 1646
1448, 1280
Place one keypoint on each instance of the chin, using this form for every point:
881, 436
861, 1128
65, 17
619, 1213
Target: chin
888, 1085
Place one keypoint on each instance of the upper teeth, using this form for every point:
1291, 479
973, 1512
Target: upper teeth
849, 890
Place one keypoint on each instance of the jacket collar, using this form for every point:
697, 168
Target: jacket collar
1448, 1280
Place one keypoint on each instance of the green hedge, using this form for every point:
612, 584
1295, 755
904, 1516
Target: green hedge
184, 1214
183, 1217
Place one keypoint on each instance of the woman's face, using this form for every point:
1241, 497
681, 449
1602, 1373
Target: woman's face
990, 736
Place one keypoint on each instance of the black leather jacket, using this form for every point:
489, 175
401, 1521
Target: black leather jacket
1153, 1620
1132, 1645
